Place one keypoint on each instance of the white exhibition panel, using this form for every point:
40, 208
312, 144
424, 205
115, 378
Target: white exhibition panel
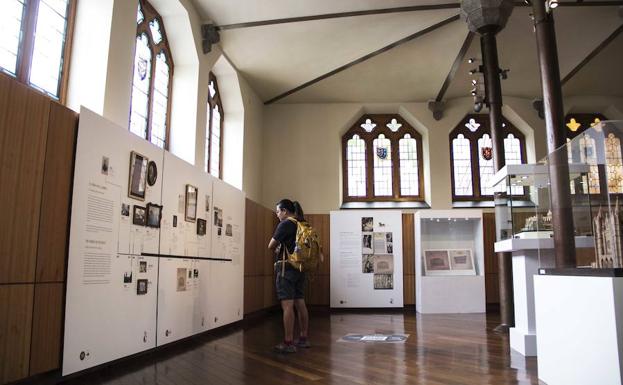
225, 292
580, 329
107, 317
350, 287
451, 292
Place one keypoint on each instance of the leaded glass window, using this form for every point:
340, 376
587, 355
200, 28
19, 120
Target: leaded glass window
614, 168
152, 79
214, 130
32, 42
356, 166
409, 167
382, 160
471, 151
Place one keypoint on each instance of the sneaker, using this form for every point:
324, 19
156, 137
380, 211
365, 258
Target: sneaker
284, 348
303, 344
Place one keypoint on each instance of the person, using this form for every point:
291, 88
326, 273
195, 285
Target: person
291, 283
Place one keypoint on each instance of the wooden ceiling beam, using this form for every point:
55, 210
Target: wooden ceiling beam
366, 57
381, 11
455, 66
592, 55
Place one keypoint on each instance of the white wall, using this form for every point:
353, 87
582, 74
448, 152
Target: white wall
101, 80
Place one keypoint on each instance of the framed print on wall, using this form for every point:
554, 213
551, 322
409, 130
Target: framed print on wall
190, 209
138, 176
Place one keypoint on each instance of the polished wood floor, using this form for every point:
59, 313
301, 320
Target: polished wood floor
441, 349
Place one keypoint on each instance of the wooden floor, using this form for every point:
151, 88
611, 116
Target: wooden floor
441, 349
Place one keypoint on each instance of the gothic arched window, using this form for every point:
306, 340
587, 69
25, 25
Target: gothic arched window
471, 156
213, 162
153, 76
382, 160
33, 45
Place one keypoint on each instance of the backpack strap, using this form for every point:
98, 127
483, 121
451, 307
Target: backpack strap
285, 251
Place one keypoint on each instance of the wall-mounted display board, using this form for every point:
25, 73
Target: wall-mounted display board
449, 261
366, 259
147, 265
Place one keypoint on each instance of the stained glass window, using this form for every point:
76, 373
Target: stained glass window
382, 166
214, 130
10, 25
462, 166
614, 167
382, 160
152, 79
472, 157
485, 164
356, 166
140, 86
32, 42
589, 156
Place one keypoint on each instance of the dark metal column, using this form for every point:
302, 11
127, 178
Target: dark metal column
493, 89
560, 193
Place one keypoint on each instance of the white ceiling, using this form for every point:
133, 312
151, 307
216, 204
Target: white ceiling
277, 58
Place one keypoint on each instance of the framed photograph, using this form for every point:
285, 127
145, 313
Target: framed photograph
462, 262
141, 286
152, 173
367, 263
175, 221
383, 281
125, 209
201, 226
139, 216
436, 262
142, 266
366, 244
384, 264
138, 176
218, 217
228, 230
181, 279
190, 209
367, 224
154, 215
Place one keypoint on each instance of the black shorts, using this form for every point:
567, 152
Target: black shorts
291, 285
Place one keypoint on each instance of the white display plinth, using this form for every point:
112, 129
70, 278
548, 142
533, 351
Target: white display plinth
528, 256
449, 229
580, 324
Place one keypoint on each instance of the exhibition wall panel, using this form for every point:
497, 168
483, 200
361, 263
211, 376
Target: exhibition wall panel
37, 137
155, 251
317, 290
366, 259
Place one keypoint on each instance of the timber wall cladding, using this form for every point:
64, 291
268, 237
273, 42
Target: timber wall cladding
37, 139
259, 287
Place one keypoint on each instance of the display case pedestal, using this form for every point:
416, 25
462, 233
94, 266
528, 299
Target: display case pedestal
525, 266
580, 326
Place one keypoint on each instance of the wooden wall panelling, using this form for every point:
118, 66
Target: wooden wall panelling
15, 331
408, 258
492, 288
269, 228
248, 287
23, 134
249, 238
56, 196
47, 328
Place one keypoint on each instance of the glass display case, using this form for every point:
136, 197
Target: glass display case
596, 191
522, 202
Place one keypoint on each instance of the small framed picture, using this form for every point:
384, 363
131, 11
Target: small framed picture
139, 216
152, 173
201, 226
190, 210
138, 176
125, 209
154, 215
141, 286
437, 262
142, 266
175, 221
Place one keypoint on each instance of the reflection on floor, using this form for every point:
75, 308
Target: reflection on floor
441, 349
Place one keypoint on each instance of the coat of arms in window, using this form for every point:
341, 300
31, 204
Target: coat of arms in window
381, 152
487, 153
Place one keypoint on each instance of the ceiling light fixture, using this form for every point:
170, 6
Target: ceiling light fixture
552, 4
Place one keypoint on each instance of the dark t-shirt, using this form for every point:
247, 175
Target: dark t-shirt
285, 234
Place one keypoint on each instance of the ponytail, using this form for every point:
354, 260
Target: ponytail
298, 211
293, 208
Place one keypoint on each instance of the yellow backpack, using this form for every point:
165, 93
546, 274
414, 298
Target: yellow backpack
306, 253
